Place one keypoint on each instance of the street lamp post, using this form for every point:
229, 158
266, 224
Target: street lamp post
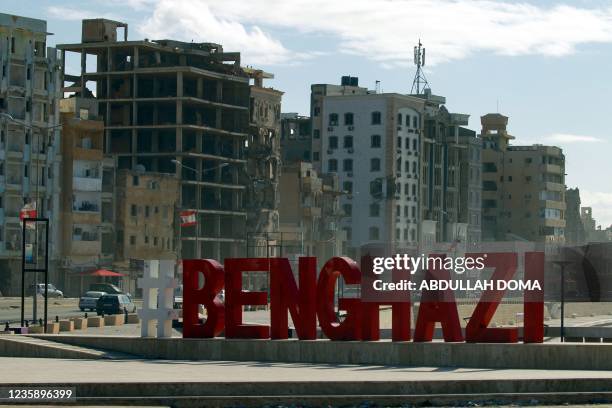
197, 226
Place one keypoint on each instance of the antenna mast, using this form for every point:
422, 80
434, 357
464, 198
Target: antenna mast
419, 77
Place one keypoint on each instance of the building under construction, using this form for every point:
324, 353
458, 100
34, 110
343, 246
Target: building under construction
183, 108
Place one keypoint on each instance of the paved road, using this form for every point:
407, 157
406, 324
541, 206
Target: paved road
10, 308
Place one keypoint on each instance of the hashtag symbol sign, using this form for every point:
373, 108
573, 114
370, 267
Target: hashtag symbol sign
157, 284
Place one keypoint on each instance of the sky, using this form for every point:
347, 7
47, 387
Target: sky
544, 64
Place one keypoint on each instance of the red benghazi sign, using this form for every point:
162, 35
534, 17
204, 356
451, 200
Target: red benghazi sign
313, 299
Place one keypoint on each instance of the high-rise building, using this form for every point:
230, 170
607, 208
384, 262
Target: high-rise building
180, 108
450, 175
29, 141
372, 141
523, 187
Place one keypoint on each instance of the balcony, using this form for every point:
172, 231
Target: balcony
86, 206
87, 184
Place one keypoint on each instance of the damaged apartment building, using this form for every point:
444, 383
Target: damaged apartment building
186, 109
29, 142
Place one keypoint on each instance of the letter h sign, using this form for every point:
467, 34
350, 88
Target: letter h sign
157, 286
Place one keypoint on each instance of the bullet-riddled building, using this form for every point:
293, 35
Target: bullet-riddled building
173, 107
29, 140
523, 187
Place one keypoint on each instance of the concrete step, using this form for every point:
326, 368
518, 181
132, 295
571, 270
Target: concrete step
331, 400
25, 346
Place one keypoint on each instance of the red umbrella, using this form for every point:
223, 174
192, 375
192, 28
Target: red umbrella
103, 272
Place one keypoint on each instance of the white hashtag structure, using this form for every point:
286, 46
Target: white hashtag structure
157, 286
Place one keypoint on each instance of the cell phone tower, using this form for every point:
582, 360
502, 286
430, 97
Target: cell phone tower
419, 77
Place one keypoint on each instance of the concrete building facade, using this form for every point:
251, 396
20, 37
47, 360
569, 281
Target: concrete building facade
450, 176
523, 187
296, 138
310, 213
29, 141
263, 156
87, 206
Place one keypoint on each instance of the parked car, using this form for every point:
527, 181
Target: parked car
108, 288
89, 300
114, 304
52, 291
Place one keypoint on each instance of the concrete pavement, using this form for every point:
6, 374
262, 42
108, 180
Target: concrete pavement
228, 383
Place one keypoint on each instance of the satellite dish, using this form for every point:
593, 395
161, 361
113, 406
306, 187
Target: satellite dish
140, 168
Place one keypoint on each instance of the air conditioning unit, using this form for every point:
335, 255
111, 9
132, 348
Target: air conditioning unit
351, 150
351, 128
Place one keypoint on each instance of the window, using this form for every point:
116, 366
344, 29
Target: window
375, 164
316, 133
348, 119
332, 165
135, 180
315, 156
333, 119
347, 165
147, 211
12, 45
415, 122
376, 188
399, 142
154, 241
316, 111
133, 210
399, 118
414, 145
26, 171
146, 240
348, 209
407, 120
333, 142
132, 239
375, 141
407, 143
348, 142
376, 118
347, 186
374, 210
374, 233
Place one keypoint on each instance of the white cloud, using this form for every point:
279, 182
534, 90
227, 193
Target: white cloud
193, 20
385, 30
601, 203
72, 14
564, 138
